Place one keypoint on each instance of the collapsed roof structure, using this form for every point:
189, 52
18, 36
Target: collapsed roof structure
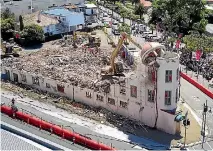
80, 67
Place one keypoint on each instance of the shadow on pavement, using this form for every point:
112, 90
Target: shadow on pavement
139, 134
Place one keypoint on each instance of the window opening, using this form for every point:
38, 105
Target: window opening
111, 101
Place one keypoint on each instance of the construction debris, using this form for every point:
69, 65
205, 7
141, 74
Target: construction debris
77, 66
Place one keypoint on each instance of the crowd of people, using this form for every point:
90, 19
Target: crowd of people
203, 66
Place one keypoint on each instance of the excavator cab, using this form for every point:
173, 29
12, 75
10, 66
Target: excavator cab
115, 68
94, 41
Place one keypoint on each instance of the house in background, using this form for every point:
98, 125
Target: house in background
91, 13
68, 21
48, 23
56, 20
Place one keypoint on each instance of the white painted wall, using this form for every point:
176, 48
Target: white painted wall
53, 29
167, 64
91, 11
170, 126
138, 108
163, 117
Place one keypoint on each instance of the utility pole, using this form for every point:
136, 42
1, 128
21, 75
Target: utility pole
31, 6
205, 109
185, 126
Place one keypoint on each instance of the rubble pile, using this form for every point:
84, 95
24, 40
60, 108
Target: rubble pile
68, 41
77, 66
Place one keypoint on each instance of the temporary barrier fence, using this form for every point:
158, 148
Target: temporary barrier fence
197, 85
60, 131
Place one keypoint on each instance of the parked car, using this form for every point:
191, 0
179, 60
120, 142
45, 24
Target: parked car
115, 30
114, 22
121, 20
105, 15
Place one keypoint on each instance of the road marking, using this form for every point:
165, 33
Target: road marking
196, 98
193, 147
199, 120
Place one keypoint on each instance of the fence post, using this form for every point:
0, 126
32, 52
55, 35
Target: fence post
51, 128
73, 139
40, 124
13, 114
62, 127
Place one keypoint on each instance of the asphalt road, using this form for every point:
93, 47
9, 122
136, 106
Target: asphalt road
41, 133
119, 144
196, 99
21, 143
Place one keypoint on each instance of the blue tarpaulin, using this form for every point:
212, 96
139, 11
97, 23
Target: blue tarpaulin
4, 76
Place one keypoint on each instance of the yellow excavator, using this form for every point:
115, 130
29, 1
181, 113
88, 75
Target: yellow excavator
117, 68
8, 50
94, 41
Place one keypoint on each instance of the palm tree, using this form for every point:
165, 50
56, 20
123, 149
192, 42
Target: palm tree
140, 10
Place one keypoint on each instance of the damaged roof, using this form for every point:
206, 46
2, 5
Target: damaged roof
44, 19
58, 12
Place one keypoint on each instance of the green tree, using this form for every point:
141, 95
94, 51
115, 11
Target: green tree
21, 23
7, 24
124, 15
114, 1
32, 34
195, 41
7, 14
135, 2
140, 10
180, 15
124, 28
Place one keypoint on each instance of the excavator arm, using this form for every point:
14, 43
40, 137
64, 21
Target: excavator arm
153, 51
115, 53
132, 41
112, 69
124, 36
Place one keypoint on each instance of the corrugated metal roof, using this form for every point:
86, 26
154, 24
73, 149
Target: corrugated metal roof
58, 12
45, 20
76, 19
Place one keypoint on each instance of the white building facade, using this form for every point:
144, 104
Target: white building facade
149, 94
68, 21
91, 13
